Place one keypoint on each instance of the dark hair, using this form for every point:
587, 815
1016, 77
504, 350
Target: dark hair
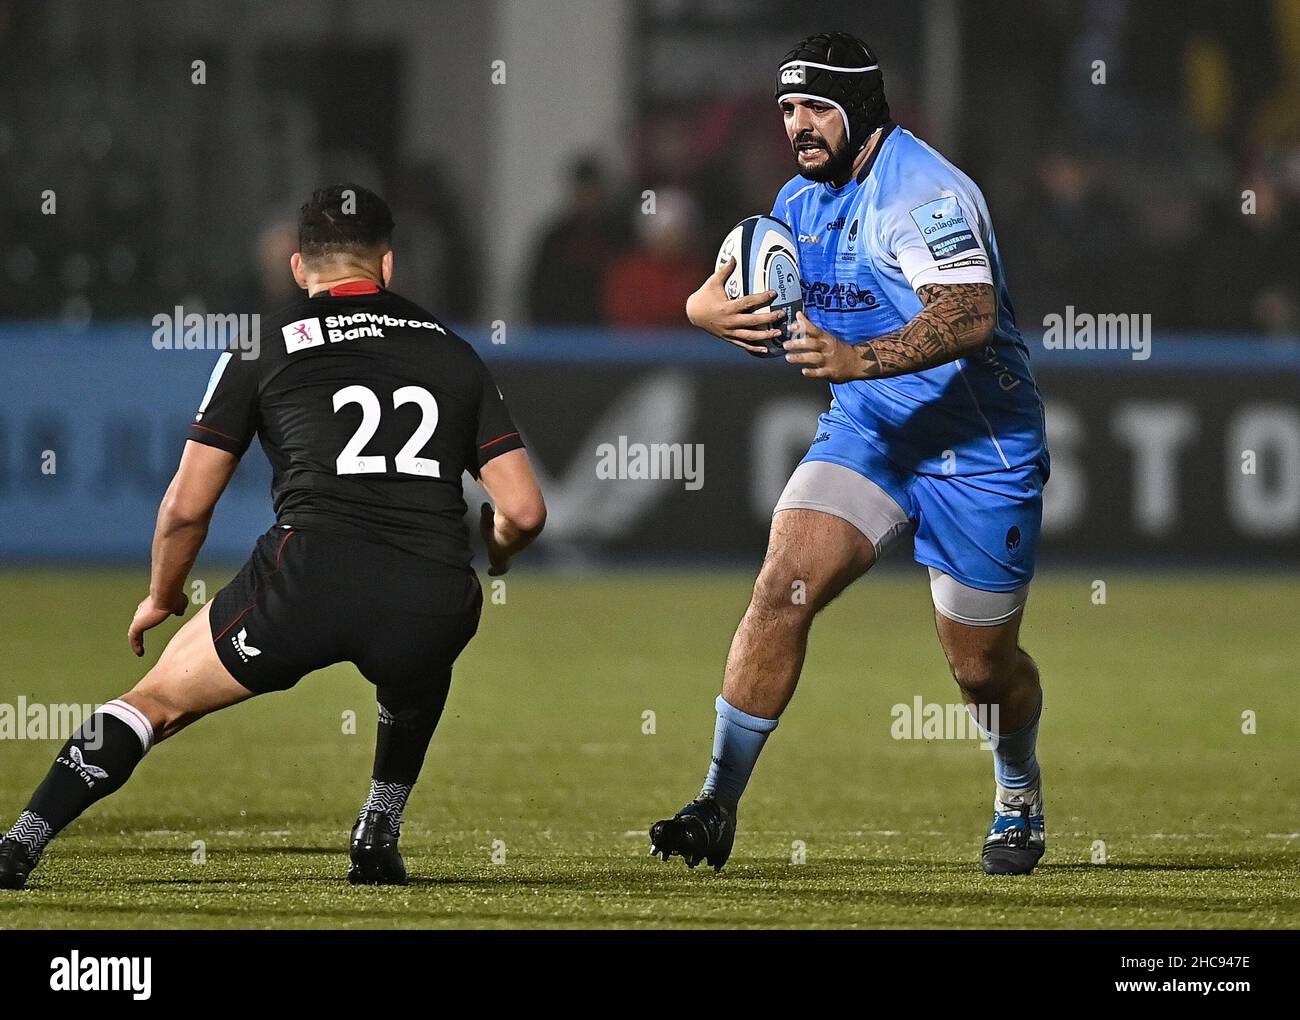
344, 219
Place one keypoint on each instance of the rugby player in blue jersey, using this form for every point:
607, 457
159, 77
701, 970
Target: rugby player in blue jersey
935, 427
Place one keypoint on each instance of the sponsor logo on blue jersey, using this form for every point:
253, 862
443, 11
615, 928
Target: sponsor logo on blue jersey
838, 297
944, 227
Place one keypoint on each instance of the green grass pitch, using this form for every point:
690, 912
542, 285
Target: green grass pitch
541, 755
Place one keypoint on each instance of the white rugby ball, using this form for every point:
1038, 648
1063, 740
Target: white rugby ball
767, 258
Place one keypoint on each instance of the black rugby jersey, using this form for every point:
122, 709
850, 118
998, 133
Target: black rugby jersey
369, 409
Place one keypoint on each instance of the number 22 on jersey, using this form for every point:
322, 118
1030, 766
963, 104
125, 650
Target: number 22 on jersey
353, 462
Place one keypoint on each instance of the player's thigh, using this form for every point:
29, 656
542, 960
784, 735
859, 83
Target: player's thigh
292, 608
842, 508
412, 640
188, 680
811, 557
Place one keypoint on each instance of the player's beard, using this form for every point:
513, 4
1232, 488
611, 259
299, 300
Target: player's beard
838, 165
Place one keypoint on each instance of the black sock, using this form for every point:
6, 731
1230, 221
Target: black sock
406, 725
95, 762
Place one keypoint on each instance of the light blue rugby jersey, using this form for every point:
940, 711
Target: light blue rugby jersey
912, 218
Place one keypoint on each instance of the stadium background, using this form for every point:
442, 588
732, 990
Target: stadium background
522, 144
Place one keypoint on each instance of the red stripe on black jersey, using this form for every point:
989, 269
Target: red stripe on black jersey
493, 442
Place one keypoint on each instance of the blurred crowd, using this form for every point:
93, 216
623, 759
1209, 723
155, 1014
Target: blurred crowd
1092, 222
623, 253
1213, 262
1136, 162
1164, 180
1172, 189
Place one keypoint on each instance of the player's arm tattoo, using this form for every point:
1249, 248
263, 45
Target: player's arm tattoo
957, 319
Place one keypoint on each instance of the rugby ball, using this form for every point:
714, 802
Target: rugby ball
766, 259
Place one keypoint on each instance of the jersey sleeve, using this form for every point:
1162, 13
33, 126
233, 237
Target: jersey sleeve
933, 236
496, 430
227, 417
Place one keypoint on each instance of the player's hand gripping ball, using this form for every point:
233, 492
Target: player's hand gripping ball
766, 259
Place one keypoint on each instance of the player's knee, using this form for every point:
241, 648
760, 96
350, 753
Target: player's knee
165, 715
413, 707
986, 673
168, 706
780, 595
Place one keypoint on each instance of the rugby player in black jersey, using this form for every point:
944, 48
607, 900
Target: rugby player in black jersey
369, 409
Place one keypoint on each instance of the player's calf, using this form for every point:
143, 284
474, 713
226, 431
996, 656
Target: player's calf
812, 557
187, 683
1000, 684
96, 761
408, 717
1007, 679
1017, 837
